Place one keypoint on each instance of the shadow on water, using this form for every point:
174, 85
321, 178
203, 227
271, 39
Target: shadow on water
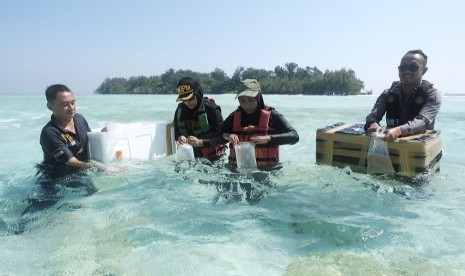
409, 188
329, 209
232, 186
53, 194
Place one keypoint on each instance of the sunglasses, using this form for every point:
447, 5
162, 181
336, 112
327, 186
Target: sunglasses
412, 67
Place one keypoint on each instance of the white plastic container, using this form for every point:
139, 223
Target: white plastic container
140, 141
245, 156
185, 152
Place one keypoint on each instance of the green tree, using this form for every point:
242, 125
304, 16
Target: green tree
291, 67
113, 86
280, 72
290, 79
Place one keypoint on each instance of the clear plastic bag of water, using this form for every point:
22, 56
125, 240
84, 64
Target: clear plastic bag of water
185, 152
379, 161
245, 156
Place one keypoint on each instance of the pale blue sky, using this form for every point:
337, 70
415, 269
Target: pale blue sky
80, 43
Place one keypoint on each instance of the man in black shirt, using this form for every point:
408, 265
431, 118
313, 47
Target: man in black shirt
64, 138
65, 148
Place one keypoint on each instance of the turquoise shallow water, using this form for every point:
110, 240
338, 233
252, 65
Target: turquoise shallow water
164, 218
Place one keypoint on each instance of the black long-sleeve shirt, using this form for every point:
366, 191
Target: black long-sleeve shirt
283, 132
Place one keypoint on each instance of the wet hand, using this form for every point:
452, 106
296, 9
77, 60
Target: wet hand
374, 127
260, 139
192, 140
232, 138
182, 140
106, 168
392, 134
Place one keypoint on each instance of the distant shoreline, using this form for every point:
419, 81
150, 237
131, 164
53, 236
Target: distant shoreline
454, 94
95, 94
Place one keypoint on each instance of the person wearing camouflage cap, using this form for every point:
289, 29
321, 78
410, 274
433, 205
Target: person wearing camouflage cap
257, 123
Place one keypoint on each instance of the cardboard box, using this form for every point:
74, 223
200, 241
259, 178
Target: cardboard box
342, 145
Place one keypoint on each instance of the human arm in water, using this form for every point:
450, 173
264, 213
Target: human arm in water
283, 132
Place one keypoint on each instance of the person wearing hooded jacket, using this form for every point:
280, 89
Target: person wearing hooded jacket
257, 123
197, 120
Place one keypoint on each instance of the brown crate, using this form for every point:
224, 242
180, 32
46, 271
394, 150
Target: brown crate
342, 145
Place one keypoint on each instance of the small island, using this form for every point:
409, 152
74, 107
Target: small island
289, 79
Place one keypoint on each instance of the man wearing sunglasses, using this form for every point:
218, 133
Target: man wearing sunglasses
410, 105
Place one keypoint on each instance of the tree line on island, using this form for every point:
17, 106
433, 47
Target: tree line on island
288, 79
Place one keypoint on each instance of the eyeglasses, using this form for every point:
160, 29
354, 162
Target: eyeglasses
412, 67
